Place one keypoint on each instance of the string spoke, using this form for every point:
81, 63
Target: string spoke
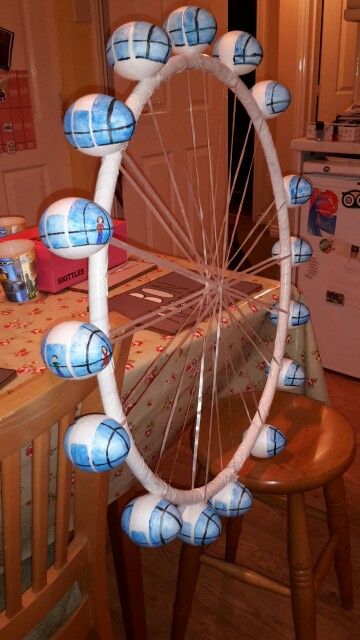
245, 298
176, 348
241, 204
264, 264
158, 259
206, 248
212, 191
252, 231
145, 321
251, 334
177, 394
161, 212
246, 370
200, 397
214, 396
173, 182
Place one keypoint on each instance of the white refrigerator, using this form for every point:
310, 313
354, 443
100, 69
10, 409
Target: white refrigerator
330, 222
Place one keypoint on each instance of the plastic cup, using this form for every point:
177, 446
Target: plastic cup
11, 224
18, 270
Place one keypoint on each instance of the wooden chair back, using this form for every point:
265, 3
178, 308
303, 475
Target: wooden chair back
41, 403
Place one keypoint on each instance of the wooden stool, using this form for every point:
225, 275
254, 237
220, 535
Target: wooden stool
321, 446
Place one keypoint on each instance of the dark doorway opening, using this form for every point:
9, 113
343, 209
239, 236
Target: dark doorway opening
242, 17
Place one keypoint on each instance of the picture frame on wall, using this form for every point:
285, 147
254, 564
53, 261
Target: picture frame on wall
6, 45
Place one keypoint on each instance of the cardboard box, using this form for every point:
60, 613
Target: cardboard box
55, 273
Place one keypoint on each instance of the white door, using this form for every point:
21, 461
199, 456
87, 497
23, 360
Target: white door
31, 178
338, 60
171, 106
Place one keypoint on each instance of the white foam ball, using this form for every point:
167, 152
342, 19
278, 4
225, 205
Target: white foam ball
151, 521
299, 314
239, 51
96, 442
76, 350
291, 374
270, 442
138, 50
190, 29
301, 250
98, 125
298, 190
272, 97
75, 228
233, 500
201, 524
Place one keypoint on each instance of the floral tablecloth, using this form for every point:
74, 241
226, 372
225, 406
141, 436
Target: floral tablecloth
152, 371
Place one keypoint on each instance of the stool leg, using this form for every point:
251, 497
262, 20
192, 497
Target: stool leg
338, 523
301, 570
233, 533
188, 572
127, 562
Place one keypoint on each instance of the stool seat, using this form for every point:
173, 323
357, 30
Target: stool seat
320, 444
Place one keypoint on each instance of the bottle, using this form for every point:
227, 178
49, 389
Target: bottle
319, 130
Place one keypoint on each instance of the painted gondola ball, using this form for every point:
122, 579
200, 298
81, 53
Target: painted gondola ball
96, 443
271, 97
190, 29
298, 190
233, 500
299, 314
201, 524
138, 50
301, 250
269, 443
151, 521
76, 350
75, 228
98, 124
239, 51
291, 374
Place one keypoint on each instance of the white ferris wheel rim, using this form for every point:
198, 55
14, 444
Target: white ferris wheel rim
98, 308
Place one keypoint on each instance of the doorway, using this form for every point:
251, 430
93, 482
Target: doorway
242, 16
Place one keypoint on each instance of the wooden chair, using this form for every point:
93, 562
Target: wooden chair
321, 446
42, 402
126, 554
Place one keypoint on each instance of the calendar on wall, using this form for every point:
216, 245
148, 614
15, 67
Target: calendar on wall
17, 131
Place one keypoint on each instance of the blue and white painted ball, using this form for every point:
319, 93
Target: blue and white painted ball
270, 442
96, 443
299, 314
301, 250
98, 125
151, 521
233, 500
291, 374
76, 350
239, 51
201, 524
138, 50
190, 29
272, 97
298, 190
75, 228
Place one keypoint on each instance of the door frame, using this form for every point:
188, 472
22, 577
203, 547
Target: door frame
305, 66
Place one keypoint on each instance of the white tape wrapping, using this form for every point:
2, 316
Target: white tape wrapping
104, 194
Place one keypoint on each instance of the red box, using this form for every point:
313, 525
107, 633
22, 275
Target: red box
55, 273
